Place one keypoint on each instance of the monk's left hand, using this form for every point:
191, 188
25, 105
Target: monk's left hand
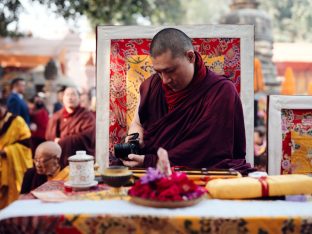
135, 160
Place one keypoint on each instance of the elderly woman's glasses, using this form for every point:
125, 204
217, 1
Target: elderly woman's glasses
44, 161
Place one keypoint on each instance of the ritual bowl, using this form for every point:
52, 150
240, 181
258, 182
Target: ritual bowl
116, 176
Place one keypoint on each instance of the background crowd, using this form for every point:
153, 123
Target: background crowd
37, 142
51, 44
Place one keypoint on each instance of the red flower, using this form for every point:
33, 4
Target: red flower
176, 187
140, 190
164, 183
170, 194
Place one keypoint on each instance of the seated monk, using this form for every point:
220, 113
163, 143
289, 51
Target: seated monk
15, 154
193, 113
47, 167
71, 127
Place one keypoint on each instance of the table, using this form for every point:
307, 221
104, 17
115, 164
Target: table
120, 216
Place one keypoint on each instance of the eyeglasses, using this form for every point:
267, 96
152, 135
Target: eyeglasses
38, 161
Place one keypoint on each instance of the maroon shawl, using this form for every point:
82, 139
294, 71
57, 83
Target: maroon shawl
205, 128
174, 98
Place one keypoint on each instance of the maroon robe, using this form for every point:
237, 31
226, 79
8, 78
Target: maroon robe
40, 117
76, 132
32, 180
205, 128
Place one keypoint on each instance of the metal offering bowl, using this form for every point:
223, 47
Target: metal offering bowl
116, 176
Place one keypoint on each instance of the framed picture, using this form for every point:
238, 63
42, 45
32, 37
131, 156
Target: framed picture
123, 62
290, 135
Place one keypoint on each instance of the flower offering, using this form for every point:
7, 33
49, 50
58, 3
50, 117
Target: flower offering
155, 185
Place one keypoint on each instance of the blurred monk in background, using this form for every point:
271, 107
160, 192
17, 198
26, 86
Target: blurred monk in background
15, 154
72, 127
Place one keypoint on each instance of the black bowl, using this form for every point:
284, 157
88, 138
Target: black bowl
116, 176
116, 181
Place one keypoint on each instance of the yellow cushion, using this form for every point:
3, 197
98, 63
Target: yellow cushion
248, 187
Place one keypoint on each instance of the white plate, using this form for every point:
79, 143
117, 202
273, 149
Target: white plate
68, 184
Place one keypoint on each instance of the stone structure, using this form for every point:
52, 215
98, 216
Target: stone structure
246, 12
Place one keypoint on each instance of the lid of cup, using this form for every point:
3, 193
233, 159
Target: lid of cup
81, 156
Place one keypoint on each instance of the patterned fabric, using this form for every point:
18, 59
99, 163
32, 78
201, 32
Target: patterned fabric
92, 224
74, 224
108, 194
297, 141
130, 65
58, 185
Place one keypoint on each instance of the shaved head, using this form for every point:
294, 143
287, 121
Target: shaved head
49, 149
47, 157
171, 39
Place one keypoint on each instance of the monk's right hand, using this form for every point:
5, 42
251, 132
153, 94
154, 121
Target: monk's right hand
135, 160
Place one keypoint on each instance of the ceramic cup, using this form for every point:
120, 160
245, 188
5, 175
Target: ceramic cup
81, 169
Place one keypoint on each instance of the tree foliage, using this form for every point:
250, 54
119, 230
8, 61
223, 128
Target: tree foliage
9, 11
112, 12
205, 11
105, 12
292, 20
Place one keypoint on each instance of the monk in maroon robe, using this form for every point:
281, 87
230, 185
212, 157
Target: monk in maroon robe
188, 110
73, 127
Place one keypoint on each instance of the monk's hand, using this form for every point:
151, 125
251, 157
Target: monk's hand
135, 160
141, 143
56, 140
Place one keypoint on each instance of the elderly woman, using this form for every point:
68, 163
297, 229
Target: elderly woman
46, 167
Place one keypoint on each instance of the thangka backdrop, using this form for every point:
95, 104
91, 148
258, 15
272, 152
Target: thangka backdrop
296, 141
130, 65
